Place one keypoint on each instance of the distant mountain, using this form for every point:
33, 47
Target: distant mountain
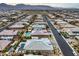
33, 7
4, 7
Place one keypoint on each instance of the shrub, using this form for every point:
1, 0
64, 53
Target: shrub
65, 34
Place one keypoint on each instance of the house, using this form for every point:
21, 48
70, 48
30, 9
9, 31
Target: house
69, 20
24, 20
39, 20
16, 26
61, 22
73, 31
4, 20
41, 46
22, 23
67, 26
38, 44
29, 17
40, 23
8, 34
37, 26
6, 37
40, 33
4, 44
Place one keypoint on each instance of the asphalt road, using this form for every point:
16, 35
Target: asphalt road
65, 48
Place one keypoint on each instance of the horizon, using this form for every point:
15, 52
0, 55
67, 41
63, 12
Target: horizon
52, 3
61, 5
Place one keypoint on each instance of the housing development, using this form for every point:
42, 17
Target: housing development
50, 32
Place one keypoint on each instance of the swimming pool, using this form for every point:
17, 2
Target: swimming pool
22, 46
28, 34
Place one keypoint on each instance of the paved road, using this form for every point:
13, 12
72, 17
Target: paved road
65, 48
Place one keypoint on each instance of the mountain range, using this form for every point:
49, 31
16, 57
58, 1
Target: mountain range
4, 7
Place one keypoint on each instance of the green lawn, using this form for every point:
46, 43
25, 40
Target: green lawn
65, 34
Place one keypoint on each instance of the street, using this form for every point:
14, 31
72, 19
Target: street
65, 48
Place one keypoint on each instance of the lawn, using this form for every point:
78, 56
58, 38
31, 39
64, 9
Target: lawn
65, 34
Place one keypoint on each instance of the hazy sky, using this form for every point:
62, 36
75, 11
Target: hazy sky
56, 3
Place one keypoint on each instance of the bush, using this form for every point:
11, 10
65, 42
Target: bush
28, 37
20, 33
6, 49
23, 40
65, 34
15, 46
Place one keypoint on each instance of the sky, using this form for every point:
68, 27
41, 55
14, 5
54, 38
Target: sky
54, 3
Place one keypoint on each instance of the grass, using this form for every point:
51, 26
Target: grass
15, 46
6, 49
20, 33
65, 34
28, 37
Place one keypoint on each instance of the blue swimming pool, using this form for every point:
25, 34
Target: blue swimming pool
22, 46
28, 34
